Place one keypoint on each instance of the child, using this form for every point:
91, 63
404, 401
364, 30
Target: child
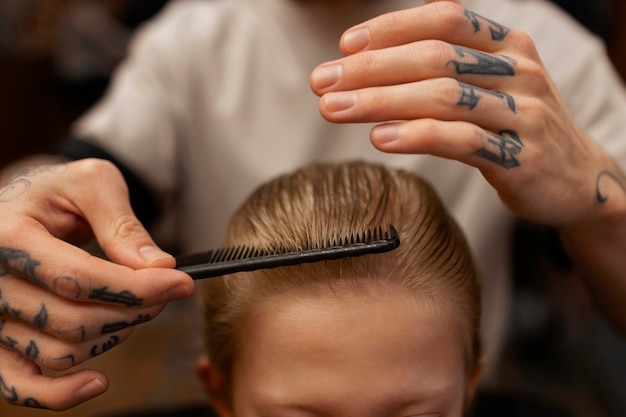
391, 334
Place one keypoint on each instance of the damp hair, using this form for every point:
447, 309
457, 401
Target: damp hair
321, 201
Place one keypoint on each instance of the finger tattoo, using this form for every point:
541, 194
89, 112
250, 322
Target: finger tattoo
41, 319
31, 351
502, 149
67, 287
10, 394
125, 297
19, 262
471, 95
70, 359
108, 345
498, 31
121, 325
481, 63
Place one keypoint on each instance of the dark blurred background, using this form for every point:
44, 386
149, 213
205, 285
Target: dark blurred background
561, 357
56, 57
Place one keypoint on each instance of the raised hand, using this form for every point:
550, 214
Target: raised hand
445, 81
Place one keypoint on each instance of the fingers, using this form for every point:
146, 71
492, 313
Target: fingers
75, 322
442, 99
59, 305
443, 20
48, 204
438, 40
101, 197
450, 83
79, 276
452, 140
413, 62
52, 353
21, 383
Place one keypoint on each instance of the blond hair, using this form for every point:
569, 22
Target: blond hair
321, 201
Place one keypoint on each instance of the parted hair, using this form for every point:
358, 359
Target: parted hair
319, 202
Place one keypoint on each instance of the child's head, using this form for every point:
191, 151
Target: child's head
395, 333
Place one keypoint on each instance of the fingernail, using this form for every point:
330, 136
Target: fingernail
326, 76
178, 292
336, 102
356, 40
152, 254
93, 388
386, 134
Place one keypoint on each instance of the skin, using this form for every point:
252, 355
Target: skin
386, 353
503, 116
57, 311
469, 89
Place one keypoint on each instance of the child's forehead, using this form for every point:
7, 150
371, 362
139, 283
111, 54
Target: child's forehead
348, 344
338, 318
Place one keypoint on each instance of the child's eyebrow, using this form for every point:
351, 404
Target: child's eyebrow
432, 401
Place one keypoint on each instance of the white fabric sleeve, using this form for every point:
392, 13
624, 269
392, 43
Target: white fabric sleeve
138, 119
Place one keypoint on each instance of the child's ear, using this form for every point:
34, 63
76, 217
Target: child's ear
213, 382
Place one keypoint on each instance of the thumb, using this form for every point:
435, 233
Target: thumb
106, 207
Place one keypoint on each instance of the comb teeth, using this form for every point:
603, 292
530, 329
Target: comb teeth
228, 260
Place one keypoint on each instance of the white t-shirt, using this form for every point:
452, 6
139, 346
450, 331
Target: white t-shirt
214, 99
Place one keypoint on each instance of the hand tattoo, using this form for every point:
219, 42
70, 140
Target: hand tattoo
19, 184
121, 325
125, 297
498, 32
481, 63
502, 149
41, 319
108, 345
31, 351
10, 394
19, 262
14, 189
618, 179
470, 96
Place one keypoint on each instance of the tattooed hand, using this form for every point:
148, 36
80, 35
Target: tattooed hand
60, 306
448, 82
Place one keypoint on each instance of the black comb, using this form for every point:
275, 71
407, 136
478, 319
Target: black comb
225, 261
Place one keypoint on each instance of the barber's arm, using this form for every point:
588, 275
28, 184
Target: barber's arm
445, 81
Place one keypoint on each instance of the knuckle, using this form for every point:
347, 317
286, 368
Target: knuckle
68, 331
15, 230
126, 225
69, 285
391, 21
535, 71
450, 13
58, 356
367, 63
434, 52
98, 170
538, 111
447, 91
522, 41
